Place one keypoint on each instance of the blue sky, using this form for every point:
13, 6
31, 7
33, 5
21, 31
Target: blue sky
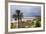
28, 11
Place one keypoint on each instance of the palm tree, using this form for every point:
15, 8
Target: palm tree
18, 15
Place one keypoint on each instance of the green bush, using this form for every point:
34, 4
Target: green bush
13, 25
38, 24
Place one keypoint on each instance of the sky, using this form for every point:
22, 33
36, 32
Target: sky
28, 11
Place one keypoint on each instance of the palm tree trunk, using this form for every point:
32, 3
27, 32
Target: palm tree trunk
18, 22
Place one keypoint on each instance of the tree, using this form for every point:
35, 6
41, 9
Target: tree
15, 17
38, 22
18, 15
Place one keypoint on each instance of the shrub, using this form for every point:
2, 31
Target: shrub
13, 25
38, 24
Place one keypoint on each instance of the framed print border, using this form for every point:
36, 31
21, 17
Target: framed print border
6, 16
